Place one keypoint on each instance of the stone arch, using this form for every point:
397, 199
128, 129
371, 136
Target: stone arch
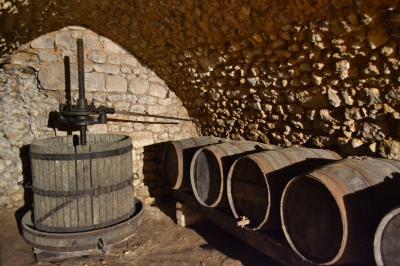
33, 84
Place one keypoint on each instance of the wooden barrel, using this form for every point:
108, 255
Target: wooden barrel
177, 158
210, 166
79, 188
386, 243
256, 182
329, 216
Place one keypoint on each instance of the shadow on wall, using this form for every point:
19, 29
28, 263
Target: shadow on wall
27, 181
153, 177
370, 205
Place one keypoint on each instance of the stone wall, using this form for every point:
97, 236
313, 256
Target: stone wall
320, 73
32, 84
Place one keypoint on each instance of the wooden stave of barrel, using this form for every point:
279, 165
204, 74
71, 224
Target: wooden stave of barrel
355, 213
386, 244
220, 157
177, 156
267, 173
106, 183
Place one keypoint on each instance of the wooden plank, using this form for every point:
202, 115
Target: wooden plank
100, 178
115, 176
107, 182
126, 173
273, 247
80, 184
37, 177
65, 183
122, 177
52, 186
87, 186
129, 190
46, 187
34, 184
59, 187
94, 173
72, 187
121, 193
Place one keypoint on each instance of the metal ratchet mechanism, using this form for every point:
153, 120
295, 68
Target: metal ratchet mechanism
83, 114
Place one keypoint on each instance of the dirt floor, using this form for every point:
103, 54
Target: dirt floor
159, 241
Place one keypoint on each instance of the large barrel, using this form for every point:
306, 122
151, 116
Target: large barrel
256, 182
210, 166
177, 158
386, 243
329, 216
79, 188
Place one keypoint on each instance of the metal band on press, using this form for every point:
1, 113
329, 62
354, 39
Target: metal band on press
80, 156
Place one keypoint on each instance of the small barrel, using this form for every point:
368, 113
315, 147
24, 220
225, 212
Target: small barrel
329, 216
256, 182
78, 188
386, 243
177, 158
210, 166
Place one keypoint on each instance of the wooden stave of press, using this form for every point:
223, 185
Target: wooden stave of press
351, 213
108, 196
270, 171
386, 244
177, 157
220, 157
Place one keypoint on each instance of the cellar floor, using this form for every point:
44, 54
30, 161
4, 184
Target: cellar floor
159, 241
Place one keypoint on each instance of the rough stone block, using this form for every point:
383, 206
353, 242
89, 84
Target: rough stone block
156, 109
113, 59
186, 216
390, 149
127, 129
43, 42
121, 106
95, 81
97, 58
138, 85
138, 126
142, 139
25, 59
65, 40
109, 69
128, 60
116, 83
112, 128
91, 42
48, 56
116, 97
126, 70
137, 108
51, 76
147, 100
157, 90
98, 129
131, 98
